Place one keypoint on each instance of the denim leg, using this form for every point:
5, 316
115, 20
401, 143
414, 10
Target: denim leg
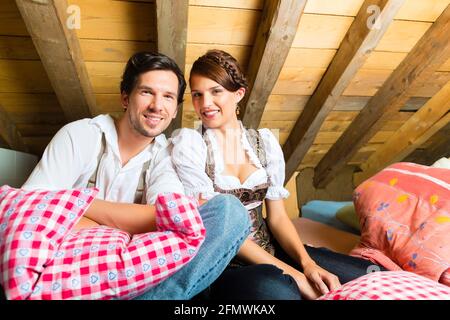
345, 267
227, 226
254, 282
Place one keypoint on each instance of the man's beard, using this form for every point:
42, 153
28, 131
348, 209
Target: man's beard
136, 124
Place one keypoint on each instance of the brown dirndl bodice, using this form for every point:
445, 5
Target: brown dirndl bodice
259, 231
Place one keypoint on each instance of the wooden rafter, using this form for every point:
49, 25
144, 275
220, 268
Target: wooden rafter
9, 132
354, 50
60, 53
439, 147
172, 19
410, 136
275, 35
431, 51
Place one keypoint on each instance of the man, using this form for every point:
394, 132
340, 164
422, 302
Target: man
129, 162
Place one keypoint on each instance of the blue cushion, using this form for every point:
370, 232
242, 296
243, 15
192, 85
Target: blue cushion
325, 212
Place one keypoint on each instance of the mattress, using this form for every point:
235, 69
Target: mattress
317, 234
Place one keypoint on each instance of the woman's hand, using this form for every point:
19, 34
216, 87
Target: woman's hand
307, 290
320, 278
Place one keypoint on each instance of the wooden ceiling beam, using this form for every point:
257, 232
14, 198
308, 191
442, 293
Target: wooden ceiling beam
439, 147
362, 37
430, 52
427, 120
172, 23
9, 132
276, 32
57, 44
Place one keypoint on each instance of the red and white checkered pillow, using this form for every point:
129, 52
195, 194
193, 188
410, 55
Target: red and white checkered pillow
105, 263
390, 285
32, 226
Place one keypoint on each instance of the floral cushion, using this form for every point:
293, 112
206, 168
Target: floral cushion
404, 213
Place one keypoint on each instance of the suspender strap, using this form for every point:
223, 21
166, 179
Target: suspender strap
139, 196
257, 144
210, 165
93, 178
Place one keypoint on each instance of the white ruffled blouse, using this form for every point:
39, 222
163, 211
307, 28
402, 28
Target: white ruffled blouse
189, 153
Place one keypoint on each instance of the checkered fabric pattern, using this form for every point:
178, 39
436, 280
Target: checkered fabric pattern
32, 226
105, 263
390, 285
99, 262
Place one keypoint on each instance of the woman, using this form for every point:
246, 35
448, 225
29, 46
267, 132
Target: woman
224, 157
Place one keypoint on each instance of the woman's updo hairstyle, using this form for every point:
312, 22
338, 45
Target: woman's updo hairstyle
222, 68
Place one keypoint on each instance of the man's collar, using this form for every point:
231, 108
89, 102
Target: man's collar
106, 124
161, 140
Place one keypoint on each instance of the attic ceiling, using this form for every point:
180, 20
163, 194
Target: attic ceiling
337, 86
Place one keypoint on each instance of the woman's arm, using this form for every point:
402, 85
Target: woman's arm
130, 217
284, 232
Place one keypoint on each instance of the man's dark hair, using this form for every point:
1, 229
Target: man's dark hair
142, 62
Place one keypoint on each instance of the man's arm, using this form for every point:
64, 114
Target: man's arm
139, 218
130, 217
85, 223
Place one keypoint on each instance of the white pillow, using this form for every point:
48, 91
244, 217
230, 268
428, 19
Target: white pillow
442, 163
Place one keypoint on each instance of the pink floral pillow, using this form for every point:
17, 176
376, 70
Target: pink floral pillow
390, 285
404, 213
99, 262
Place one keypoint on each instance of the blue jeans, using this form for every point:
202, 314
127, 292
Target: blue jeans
267, 282
345, 267
252, 282
227, 226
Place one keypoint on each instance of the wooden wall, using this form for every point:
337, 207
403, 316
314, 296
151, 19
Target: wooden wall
112, 30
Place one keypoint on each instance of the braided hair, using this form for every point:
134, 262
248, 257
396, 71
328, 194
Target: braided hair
222, 68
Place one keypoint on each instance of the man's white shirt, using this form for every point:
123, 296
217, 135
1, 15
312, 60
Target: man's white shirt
71, 158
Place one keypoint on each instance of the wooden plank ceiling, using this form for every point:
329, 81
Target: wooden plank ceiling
337, 86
